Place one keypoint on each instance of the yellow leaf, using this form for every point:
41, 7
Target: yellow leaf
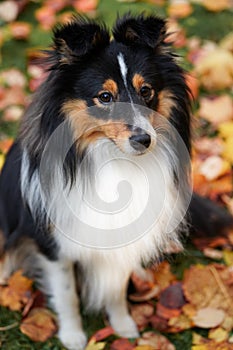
219, 334
199, 347
226, 129
227, 152
228, 257
96, 346
197, 339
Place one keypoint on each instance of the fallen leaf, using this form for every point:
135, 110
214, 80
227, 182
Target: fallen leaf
8, 10
209, 146
228, 257
85, 5
166, 312
179, 323
172, 297
20, 30
227, 42
213, 253
217, 109
95, 346
12, 114
17, 292
218, 334
5, 145
227, 151
162, 275
46, 17
179, 9
214, 167
155, 340
216, 294
208, 317
158, 323
39, 325
13, 77
141, 314
102, 334
144, 347
121, 344
215, 71
148, 295
142, 282
216, 6
56, 5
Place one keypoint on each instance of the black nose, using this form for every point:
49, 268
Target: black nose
140, 142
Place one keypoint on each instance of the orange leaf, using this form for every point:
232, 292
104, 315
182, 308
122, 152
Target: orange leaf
180, 9
102, 334
17, 292
39, 325
167, 313
216, 6
20, 30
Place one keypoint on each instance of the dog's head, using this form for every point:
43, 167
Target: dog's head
116, 76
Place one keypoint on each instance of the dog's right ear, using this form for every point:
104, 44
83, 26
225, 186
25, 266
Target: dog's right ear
78, 38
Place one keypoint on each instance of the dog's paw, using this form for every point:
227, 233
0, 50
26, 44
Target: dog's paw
125, 327
73, 339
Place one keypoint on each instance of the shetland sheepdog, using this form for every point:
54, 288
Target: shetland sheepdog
99, 173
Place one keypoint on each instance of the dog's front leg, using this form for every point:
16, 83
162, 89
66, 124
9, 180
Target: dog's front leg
117, 310
64, 298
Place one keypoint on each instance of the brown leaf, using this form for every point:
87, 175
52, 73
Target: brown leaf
39, 325
166, 312
208, 287
141, 314
102, 334
209, 146
157, 341
159, 323
148, 295
142, 283
172, 297
163, 276
121, 344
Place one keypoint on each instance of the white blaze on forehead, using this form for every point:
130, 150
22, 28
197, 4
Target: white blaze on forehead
123, 67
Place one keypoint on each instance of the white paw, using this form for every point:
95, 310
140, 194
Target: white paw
73, 339
125, 327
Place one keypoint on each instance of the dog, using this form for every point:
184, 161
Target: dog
110, 111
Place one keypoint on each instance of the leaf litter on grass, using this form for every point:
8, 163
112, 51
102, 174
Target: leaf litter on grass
203, 298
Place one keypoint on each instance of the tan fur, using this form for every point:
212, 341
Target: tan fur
166, 103
89, 128
111, 86
138, 81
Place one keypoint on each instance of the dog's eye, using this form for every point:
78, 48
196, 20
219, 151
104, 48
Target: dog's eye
105, 97
146, 92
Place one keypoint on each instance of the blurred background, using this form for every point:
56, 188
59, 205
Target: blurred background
202, 35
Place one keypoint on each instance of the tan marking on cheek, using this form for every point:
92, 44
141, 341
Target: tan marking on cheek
82, 124
166, 102
111, 86
87, 129
138, 81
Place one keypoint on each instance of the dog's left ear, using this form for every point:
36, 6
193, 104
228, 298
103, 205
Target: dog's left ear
141, 30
